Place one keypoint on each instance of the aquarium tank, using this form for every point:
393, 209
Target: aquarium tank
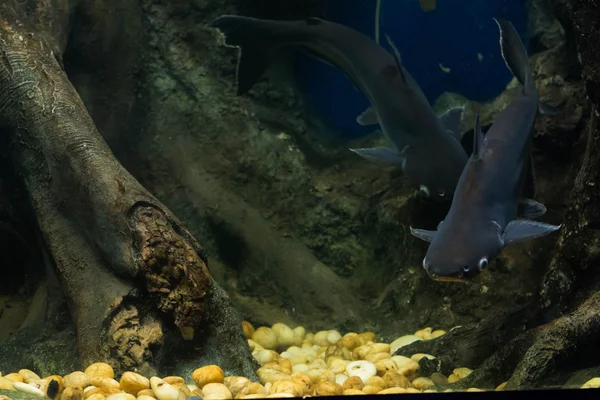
241, 199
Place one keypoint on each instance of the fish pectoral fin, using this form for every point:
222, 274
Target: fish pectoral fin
548, 110
523, 229
529, 208
383, 155
451, 120
368, 117
423, 234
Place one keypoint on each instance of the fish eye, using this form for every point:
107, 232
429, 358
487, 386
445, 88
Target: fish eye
424, 191
483, 263
466, 268
460, 275
441, 193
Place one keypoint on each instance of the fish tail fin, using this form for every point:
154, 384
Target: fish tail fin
257, 48
515, 55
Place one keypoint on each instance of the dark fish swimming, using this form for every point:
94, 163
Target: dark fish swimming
482, 219
426, 147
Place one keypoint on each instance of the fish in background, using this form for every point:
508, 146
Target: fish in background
426, 147
483, 216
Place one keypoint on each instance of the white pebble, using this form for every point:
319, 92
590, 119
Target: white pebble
299, 368
340, 378
285, 334
294, 351
87, 389
403, 341
163, 390
299, 331
363, 369
401, 361
121, 396
25, 388
321, 338
144, 397
333, 337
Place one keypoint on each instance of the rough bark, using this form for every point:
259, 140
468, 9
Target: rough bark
111, 241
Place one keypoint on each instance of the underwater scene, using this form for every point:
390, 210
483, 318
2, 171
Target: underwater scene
238, 199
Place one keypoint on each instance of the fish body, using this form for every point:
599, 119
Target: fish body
424, 146
482, 219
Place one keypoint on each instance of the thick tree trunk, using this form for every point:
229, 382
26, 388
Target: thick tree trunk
129, 268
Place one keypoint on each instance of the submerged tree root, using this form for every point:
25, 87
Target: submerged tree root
471, 345
557, 342
112, 242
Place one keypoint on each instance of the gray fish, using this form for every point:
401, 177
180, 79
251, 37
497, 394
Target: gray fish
482, 219
424, 146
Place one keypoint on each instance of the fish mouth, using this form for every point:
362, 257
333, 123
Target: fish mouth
447, 278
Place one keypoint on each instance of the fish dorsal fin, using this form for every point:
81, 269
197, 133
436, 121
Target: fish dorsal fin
396, 55
477, 139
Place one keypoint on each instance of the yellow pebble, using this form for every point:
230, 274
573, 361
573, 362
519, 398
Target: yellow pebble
417, 357
6, 384
353, 382
437, 334
422, 383
393, 390
376, 381
15, 377
501, 386
326, 388
77, 379
236, 384
351, 392
370, 389
394, 379
350, 341
475, 390
146, 392
410, 369
133, 383
286, 387
248, 329
385, 365
99, 396
121, 396
106, 383
592, 383
265, 337
462, 373
208, 374
216, 391
424, 334
28, 375
72, 393
366, 337
100, 370
174, 380
453, 378
375, 357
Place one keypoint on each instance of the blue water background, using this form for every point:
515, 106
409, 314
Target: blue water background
452, 35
